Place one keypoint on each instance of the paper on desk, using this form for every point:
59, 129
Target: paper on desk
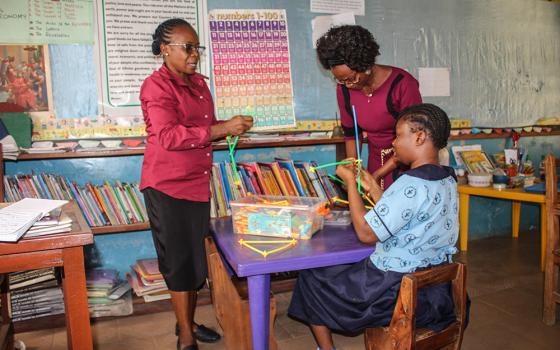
43, 206
14, 223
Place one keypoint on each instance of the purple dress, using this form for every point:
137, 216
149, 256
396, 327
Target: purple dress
374, 117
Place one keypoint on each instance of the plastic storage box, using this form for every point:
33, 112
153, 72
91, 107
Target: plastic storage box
274, 216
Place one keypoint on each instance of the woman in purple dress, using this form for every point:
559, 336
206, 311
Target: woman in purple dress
377, 92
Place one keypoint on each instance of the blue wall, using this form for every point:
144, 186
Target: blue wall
503, 56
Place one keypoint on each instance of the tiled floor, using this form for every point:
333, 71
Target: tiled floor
504, 282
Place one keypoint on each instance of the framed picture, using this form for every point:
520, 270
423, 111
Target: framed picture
25, 82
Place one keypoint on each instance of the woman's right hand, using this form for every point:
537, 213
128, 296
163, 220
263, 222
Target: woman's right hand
239, 124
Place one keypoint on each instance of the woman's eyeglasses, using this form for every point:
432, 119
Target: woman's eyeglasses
351, 80
190, 48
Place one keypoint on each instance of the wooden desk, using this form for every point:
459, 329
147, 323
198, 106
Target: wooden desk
332, 246
516, 196
65, 250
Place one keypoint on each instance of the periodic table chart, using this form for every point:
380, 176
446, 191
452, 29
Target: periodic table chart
251, 66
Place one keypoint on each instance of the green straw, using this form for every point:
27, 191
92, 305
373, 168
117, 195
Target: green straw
333, 164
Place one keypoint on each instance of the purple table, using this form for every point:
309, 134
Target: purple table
332, 246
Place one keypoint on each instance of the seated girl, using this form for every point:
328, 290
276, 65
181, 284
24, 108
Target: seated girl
414, 225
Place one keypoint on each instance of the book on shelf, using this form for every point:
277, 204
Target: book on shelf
102, 277
149, 269
141, 289
51, 226
45, 293
290, 167
35, 288
17, 277
40, 278
280, 178
35, 293
107, 293
102, 205
148, 298
118, 307
476, 161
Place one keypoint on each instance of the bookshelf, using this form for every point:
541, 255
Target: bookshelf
243, 144
217, 147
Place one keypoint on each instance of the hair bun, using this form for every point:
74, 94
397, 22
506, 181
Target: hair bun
156, 50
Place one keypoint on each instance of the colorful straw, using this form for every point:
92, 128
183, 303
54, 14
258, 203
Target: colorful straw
231, 146
249, 244
357, 146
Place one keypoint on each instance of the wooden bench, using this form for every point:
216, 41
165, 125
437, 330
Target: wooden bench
231, 305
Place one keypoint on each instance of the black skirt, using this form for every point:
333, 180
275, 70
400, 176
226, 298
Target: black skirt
350, 298
178, 229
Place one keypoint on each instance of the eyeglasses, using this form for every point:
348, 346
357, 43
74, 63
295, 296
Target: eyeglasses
351, 80
190, 48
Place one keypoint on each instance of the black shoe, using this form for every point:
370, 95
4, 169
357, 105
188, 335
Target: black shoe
202, 333
188, 347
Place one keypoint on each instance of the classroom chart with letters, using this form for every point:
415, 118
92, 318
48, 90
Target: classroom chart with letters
251, 66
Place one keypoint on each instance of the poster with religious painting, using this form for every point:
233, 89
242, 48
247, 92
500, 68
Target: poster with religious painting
25, 79
251, 66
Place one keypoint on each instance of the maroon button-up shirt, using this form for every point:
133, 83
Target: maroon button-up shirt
178, 156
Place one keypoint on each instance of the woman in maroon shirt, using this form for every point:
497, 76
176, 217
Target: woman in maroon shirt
377, 92
180, 126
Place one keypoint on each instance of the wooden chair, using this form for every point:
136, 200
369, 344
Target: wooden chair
552, 258
401, 334
231, 305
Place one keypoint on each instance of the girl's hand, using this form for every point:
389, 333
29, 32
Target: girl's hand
347, 172
370, 185
368, 181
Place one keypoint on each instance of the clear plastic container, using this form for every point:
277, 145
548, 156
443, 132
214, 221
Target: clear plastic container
275, 216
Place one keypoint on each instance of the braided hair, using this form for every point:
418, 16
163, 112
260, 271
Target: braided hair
430, 118
161, 35
351, 45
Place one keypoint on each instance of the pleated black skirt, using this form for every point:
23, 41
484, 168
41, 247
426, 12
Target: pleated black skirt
350, 298
178, 230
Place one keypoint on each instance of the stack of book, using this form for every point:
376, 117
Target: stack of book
108, 295
18, 218
35, 293
146, 280
55, 222
279, 178
102, 205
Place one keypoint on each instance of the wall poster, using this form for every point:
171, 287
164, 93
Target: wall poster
251, 66
123, 46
